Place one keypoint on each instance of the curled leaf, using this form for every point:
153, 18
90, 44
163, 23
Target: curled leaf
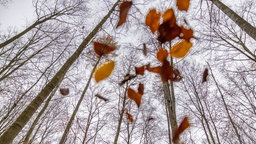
145, 51
152, 20
101, 49
180, 49
205, 74
64, 91
183, 126
124, 9
162, 54
129, 117
182, 4
136, 97
104, 71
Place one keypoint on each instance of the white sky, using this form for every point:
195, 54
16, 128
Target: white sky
16, 13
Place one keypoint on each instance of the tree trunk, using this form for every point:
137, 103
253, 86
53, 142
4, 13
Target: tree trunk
243, 24
25, 116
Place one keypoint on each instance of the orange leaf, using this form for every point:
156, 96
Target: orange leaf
162, 54
134, 96
141, 89
205, 75
180, 49
169, 16
152, 20
64, 91
124, 9
183, 4
154, 69
167, 32
145, 51
102, 49
129, 117
183, 126
187, 34
140, 70
104, 71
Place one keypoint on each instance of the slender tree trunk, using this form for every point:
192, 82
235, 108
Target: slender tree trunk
243, 24
65, 134
25, 116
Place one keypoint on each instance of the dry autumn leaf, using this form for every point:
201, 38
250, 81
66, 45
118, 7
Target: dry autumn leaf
169, 16
186, 34
183, 4
166, 71
153, 69
134, 96
152, 20
64, 91
124, 9
129, 117
104, 71
205, 75
167, 32
183, 126
101, 97
162, 54
102, 49
140, 70
141, 89
180, 49
145, 51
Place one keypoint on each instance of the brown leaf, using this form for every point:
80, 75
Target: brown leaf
134, 96
166, 71
141, 89
205, 75
102, 49
183, 4
64, 91
127, 77
154, 69
124, 9
152, 20
140, 70
186, 34
169, 15
145, 51
101, 97
168, 33
162, 54
129, 117
183, 126
176, 75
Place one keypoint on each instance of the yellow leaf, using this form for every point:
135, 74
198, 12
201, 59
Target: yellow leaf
180, 49
104, 71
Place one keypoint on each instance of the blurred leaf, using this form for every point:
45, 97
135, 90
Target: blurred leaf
102, 49
187, 34
182, 4
140, 70
167, 32
169, 16
129, 117
166, 71
126, 78
162, 54
180, 49
183, 126
154, 69
152, 20
134, 96
104, 71
205, 75
145, 51
141, 89
101, 97
124, 9
64, 91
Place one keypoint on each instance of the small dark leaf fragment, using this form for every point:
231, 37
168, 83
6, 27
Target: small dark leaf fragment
205, 74
126, 78
101, 97
64, 91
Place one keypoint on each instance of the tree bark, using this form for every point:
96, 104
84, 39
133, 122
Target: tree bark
243, 24
25, 116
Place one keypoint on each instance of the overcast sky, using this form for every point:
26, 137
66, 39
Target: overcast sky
16, 14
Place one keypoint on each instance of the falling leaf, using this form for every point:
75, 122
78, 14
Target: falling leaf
169, 16
186, 34
183, 126
183, 4
205, 75
150, 119
102, 49
162, 54
166, 71
64, 91
145, 51
167, 32
153, 69
104, 71
101, 97
129, 117
124, 9
141, 89
140, 70
134, 96
152, 20
180, 49
126, 78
